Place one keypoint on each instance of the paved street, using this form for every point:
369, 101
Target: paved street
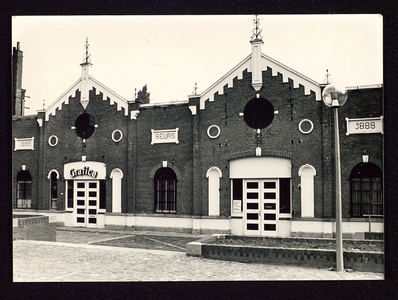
36, 261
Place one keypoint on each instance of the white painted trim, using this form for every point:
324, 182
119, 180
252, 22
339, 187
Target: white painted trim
56, 140
64, 98
363, 87
213, 136
116, 190
212, 169
165, 103
228, 79
307, 166
49, 173
297, 77
113, 135
307, 191
308, 131
257, 76
193, 109
214, 191
134, 114
112, 95
18, 142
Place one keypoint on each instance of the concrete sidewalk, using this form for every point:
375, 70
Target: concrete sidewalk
37, 261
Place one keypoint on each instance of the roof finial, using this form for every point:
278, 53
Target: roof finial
257, 31
328, 79
195, 89
87, 55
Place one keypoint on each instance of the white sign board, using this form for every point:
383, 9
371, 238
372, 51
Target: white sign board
164, 136
24, 144
237, 205
364, 125
85, 170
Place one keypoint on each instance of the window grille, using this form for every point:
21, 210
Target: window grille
366, 190
165, 182
24, 190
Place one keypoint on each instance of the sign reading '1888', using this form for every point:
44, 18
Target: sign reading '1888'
164, 136
364, 125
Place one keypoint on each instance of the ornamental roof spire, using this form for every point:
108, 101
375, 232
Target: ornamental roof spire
86, 60
256, 41
84, 85
256, 31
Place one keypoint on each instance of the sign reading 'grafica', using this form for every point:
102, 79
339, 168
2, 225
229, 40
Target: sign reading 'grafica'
164, 136
84, 171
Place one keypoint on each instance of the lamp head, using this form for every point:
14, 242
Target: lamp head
334, 95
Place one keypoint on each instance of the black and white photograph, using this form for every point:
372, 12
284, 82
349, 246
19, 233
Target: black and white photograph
181, 148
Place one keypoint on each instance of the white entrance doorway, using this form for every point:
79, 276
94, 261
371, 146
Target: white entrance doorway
261, 207
261, 196
86, 202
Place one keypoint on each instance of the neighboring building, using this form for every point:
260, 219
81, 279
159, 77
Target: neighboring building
251, 155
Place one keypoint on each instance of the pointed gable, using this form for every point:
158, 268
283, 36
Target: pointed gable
265, 62
92, 83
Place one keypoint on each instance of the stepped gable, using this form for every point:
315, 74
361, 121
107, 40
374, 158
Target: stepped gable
265, 62
84, 84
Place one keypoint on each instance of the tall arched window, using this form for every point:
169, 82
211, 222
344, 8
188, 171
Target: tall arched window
24, 189
116, 176
366, 190
165, 182
214, 174
54, 191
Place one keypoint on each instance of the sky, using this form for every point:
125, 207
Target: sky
171, 53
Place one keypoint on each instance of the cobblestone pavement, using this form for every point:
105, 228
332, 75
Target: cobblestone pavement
37, 261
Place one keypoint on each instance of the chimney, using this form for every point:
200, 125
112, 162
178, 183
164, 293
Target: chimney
18, 95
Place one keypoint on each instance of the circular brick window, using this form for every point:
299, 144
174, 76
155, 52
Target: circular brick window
213, 131
258, 113
85, 126
53, 140
117, 135
306, 126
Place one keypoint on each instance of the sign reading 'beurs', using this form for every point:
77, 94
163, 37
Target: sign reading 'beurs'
164, 136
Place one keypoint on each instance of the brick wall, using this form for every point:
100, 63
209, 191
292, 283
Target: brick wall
151, 156
358, 261
34, 228
26, 127
196, 152
282, 136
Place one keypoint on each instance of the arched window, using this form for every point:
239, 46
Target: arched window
54, 191
165, 182
366, 190
307, 174
116, 176
214, 174
24, 189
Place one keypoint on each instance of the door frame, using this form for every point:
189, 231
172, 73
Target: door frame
85, 208
264, 209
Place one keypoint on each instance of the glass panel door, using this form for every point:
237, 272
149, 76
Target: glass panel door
270, 203
86, 194
261, 206
252, 207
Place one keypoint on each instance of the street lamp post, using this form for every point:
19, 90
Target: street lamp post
334, 96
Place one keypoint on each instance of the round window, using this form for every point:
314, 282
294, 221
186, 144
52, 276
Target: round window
258, 113
117, 135
85, 126
306, 126
53, 140
213, 131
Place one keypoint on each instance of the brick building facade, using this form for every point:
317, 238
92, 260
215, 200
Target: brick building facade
251, 155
